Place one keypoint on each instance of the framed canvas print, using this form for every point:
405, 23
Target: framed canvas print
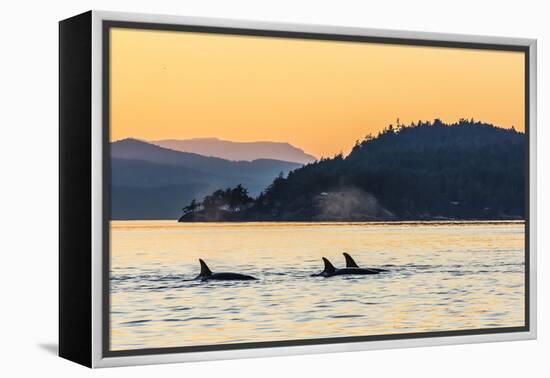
234, 189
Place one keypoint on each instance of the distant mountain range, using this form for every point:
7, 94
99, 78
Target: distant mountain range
152, 182
236, 151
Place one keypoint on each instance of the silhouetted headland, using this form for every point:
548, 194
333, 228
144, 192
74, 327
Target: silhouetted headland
468, 170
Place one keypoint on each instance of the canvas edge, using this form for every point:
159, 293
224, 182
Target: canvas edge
533, 189
97, 155
97, 191
74, 153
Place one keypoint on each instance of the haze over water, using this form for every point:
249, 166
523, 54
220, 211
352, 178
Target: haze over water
442, 276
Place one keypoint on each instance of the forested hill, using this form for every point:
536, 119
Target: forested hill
424, 171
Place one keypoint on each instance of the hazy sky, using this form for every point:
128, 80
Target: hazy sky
320, 96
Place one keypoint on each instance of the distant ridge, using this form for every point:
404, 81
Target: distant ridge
152, 182
238, 151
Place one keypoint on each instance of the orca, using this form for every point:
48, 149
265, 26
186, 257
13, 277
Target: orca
207, 275
350, 263
330, 270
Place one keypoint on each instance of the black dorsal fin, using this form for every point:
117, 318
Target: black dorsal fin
350, 263
205, 271
329, 268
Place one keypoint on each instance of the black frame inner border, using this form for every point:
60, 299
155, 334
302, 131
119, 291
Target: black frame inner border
107, 25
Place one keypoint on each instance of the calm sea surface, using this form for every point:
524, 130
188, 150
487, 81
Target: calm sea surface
443, 276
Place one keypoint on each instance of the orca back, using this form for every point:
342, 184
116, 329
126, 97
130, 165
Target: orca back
354, 271
206, 274
227, 276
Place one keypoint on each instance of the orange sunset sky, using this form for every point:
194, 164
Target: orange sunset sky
320, 96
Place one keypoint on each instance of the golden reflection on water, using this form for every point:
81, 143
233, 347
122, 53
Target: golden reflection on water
443, 276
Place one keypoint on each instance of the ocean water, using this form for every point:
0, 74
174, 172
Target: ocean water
442, 276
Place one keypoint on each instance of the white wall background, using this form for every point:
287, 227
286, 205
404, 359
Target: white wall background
28, 207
